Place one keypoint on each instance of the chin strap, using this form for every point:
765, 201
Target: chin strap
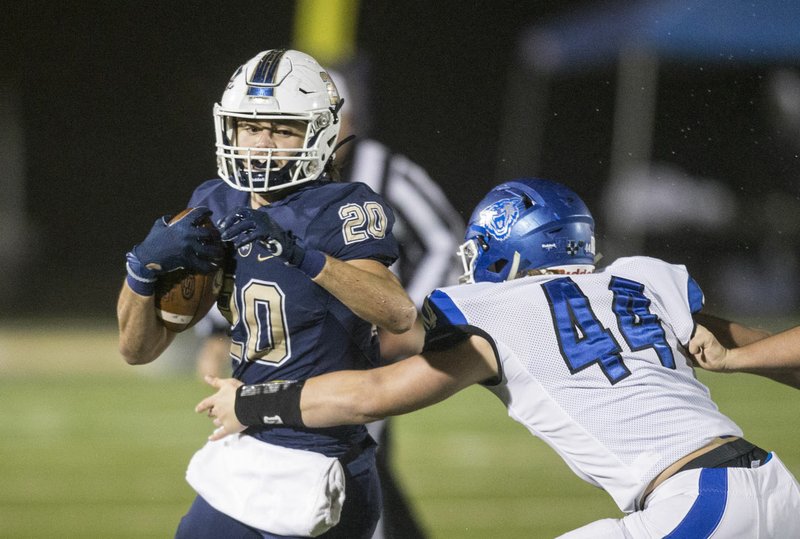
284, 175
342, 143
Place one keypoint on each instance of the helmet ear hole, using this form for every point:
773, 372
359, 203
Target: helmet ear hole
498, 265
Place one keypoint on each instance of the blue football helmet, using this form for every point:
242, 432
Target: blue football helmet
527, 224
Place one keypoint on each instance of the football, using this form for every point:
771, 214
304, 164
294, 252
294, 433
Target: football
183, 298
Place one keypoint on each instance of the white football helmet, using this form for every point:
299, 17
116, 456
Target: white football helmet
277, 85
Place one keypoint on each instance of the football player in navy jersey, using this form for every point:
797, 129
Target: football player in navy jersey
306, 283
593, 362
428, 230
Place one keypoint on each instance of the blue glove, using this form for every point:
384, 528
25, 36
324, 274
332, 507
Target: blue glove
180, 245
246, 225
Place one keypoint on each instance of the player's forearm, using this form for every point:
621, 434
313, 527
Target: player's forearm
378, 299
776, 357
354, 397
396, 346
340, 398
142, 337
730, 334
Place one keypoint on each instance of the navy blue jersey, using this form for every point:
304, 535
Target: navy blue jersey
283, 325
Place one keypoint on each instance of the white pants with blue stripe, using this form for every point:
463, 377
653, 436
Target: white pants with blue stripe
752, 503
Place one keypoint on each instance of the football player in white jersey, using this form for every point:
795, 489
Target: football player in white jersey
592, 362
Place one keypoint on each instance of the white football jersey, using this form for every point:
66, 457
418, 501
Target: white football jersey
595, 365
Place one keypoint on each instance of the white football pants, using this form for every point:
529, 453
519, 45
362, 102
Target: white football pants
755, 503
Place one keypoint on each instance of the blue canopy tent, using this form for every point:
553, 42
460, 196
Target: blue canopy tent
634, 38
744, 30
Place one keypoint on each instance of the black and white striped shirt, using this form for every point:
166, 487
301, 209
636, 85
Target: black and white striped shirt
427, 226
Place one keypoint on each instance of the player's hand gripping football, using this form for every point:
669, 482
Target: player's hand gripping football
182, 244
246, 225
707, 352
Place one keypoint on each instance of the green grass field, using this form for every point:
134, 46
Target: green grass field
94, 448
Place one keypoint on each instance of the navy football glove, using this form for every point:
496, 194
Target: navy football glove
246, 225
183, 244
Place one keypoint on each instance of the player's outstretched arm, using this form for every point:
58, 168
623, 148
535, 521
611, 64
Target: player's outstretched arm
351, 397
776, 357
730, 334
355, 397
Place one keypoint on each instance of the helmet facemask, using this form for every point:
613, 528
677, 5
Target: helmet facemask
260, 169
468, 253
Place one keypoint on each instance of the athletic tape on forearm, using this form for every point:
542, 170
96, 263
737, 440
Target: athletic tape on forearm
271, 403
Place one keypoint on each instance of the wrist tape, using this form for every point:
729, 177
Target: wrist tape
271, 403
140, 279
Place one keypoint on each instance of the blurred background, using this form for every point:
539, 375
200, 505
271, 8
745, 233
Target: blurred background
677, 120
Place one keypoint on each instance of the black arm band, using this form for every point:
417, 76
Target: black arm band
271, 403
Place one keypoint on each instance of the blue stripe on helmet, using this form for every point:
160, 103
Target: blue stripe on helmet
264, 73
259, 91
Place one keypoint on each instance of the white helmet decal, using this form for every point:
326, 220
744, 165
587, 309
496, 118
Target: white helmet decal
499, 217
